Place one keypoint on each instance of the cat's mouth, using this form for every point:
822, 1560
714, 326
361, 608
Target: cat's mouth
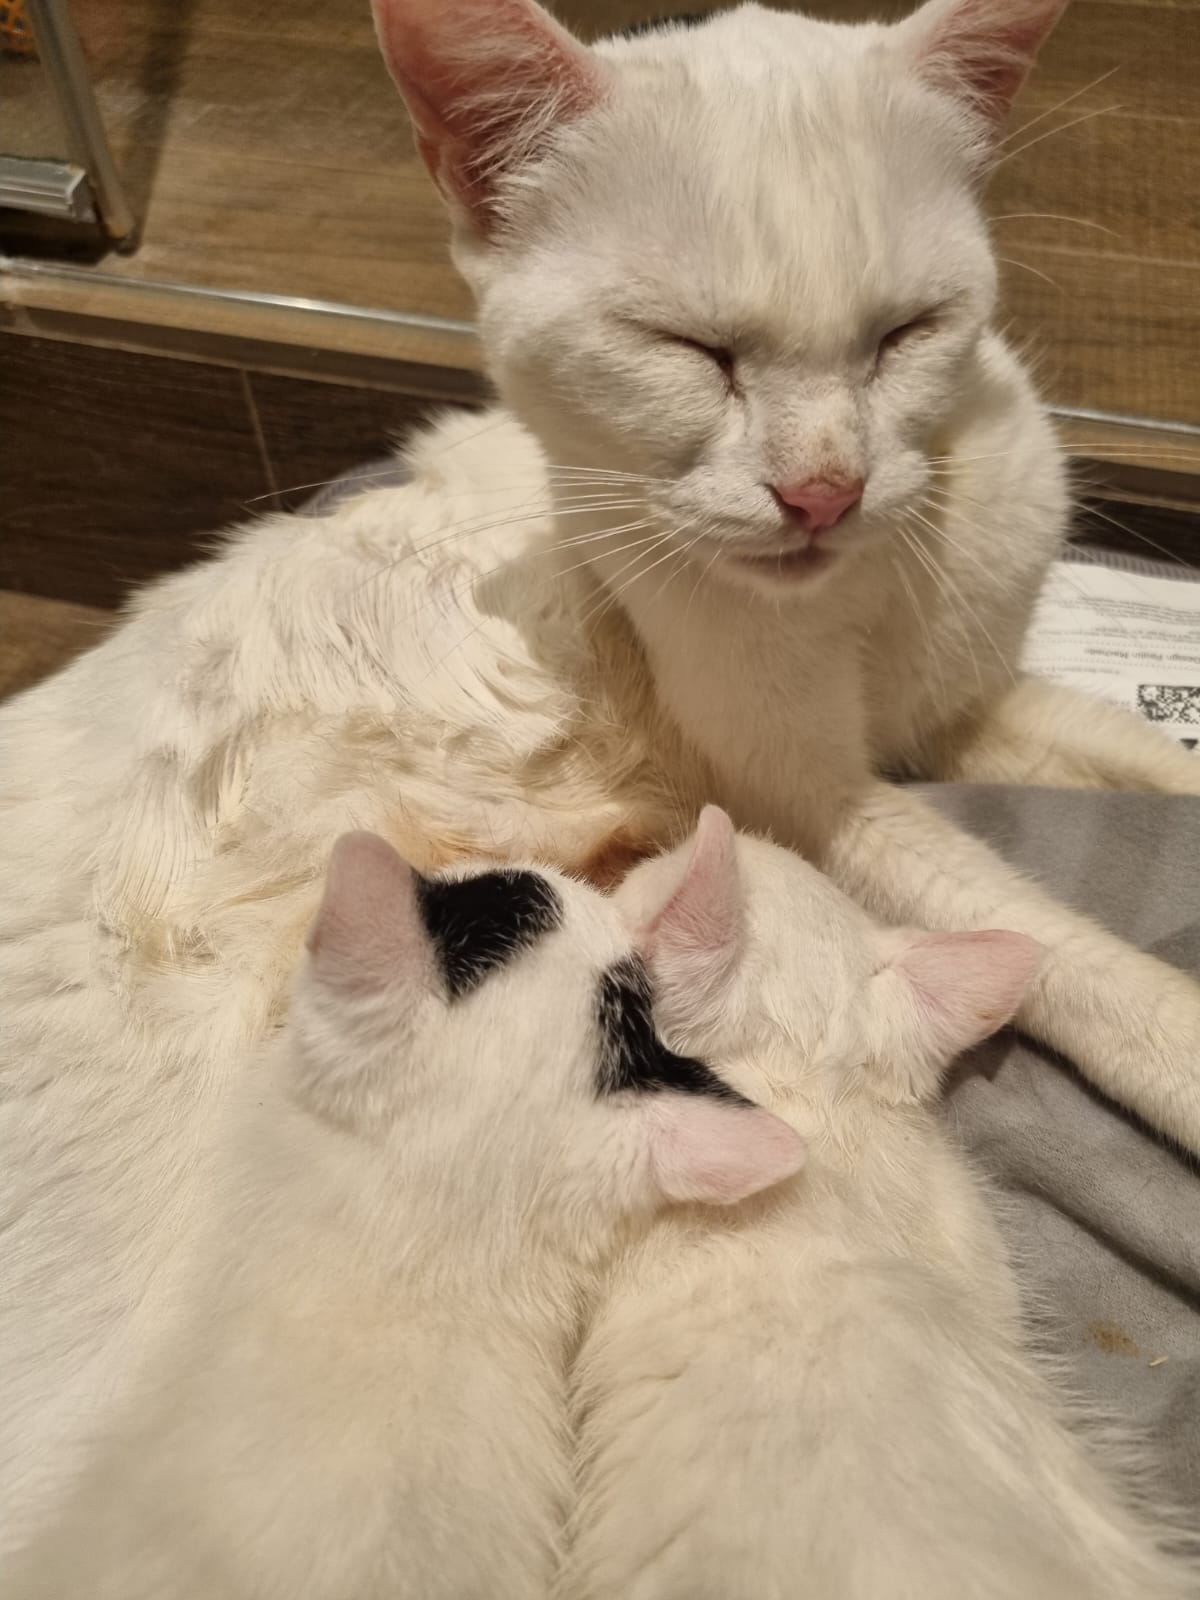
790, 565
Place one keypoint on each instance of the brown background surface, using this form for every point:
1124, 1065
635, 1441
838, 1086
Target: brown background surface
266, 150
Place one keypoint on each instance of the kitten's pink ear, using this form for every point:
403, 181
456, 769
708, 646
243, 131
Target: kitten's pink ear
966, 985
693, 942
484, 81
715, 1151
980, 51
368, 933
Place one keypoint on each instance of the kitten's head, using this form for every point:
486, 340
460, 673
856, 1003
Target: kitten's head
755, 953
492, 1033
744, 260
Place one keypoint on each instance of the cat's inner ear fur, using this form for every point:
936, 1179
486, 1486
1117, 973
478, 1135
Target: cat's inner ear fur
369, 934
694, 940
709, 1150
978, 52
942, 993
485, 83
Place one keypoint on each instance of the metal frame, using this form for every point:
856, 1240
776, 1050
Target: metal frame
51, 188
60, 54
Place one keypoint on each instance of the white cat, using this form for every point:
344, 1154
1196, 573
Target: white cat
825, 1393
362, 1392
743, 268
442, 664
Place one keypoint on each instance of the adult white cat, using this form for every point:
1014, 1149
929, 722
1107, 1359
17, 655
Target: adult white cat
826, 1393
418, 664
745, 266
363, 1390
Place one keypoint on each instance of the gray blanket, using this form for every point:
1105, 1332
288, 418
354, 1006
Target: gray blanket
1105, 1220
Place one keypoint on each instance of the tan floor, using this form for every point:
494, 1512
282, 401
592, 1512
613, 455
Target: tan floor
266, 150
38, 636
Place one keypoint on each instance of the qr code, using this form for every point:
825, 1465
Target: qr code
1163, 702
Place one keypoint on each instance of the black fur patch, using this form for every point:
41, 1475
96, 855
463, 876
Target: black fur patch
691, 20
632, 1056
479, 924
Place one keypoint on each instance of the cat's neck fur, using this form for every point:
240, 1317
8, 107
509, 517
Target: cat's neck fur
876, 657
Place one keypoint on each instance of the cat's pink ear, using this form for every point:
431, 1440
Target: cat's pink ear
966, 985
368, 933
693, 943
979, 51
717, 1152
484, 82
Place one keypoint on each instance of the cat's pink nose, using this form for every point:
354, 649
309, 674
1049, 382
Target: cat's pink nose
820, 502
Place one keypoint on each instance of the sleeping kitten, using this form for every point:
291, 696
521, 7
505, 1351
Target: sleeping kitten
825, 1393
362, 1393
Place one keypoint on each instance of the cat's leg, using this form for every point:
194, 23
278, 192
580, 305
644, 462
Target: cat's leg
1045, 733
1130, 1023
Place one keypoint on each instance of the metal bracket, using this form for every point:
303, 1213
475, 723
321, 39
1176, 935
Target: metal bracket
52, 188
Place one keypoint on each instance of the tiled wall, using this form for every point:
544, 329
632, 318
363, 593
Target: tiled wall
118, 466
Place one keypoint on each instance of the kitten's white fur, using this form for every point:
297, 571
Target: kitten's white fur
410, 665
361, 1390
828, 1393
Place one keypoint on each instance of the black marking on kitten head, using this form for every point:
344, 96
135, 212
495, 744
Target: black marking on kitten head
691, 19
479, 924
632, 1056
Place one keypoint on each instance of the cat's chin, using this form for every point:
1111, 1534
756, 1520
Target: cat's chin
788, 569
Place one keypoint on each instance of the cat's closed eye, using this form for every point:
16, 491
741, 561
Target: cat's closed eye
905, 332
721, 357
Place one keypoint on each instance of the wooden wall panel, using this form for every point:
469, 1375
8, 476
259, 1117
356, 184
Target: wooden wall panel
269, 153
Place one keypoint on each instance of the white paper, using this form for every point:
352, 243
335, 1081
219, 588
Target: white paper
1129, 637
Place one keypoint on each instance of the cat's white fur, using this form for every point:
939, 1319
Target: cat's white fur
799, 191
411, 664
827, 1393
362, 1389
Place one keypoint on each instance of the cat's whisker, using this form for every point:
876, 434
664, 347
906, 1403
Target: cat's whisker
615, 590
712, 561
466, 530
957, 592
681, 552
551, 577
1087, 116
918, 614
982, 531
922, 622
321, 483
943, 533
1070, 99
1054, 216
936, 577
604, 472
1135, 533
550, 487
1011, 261
501, 419
590, 538
556, 573
1098, 447
603, 477
561, 467
951, 502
